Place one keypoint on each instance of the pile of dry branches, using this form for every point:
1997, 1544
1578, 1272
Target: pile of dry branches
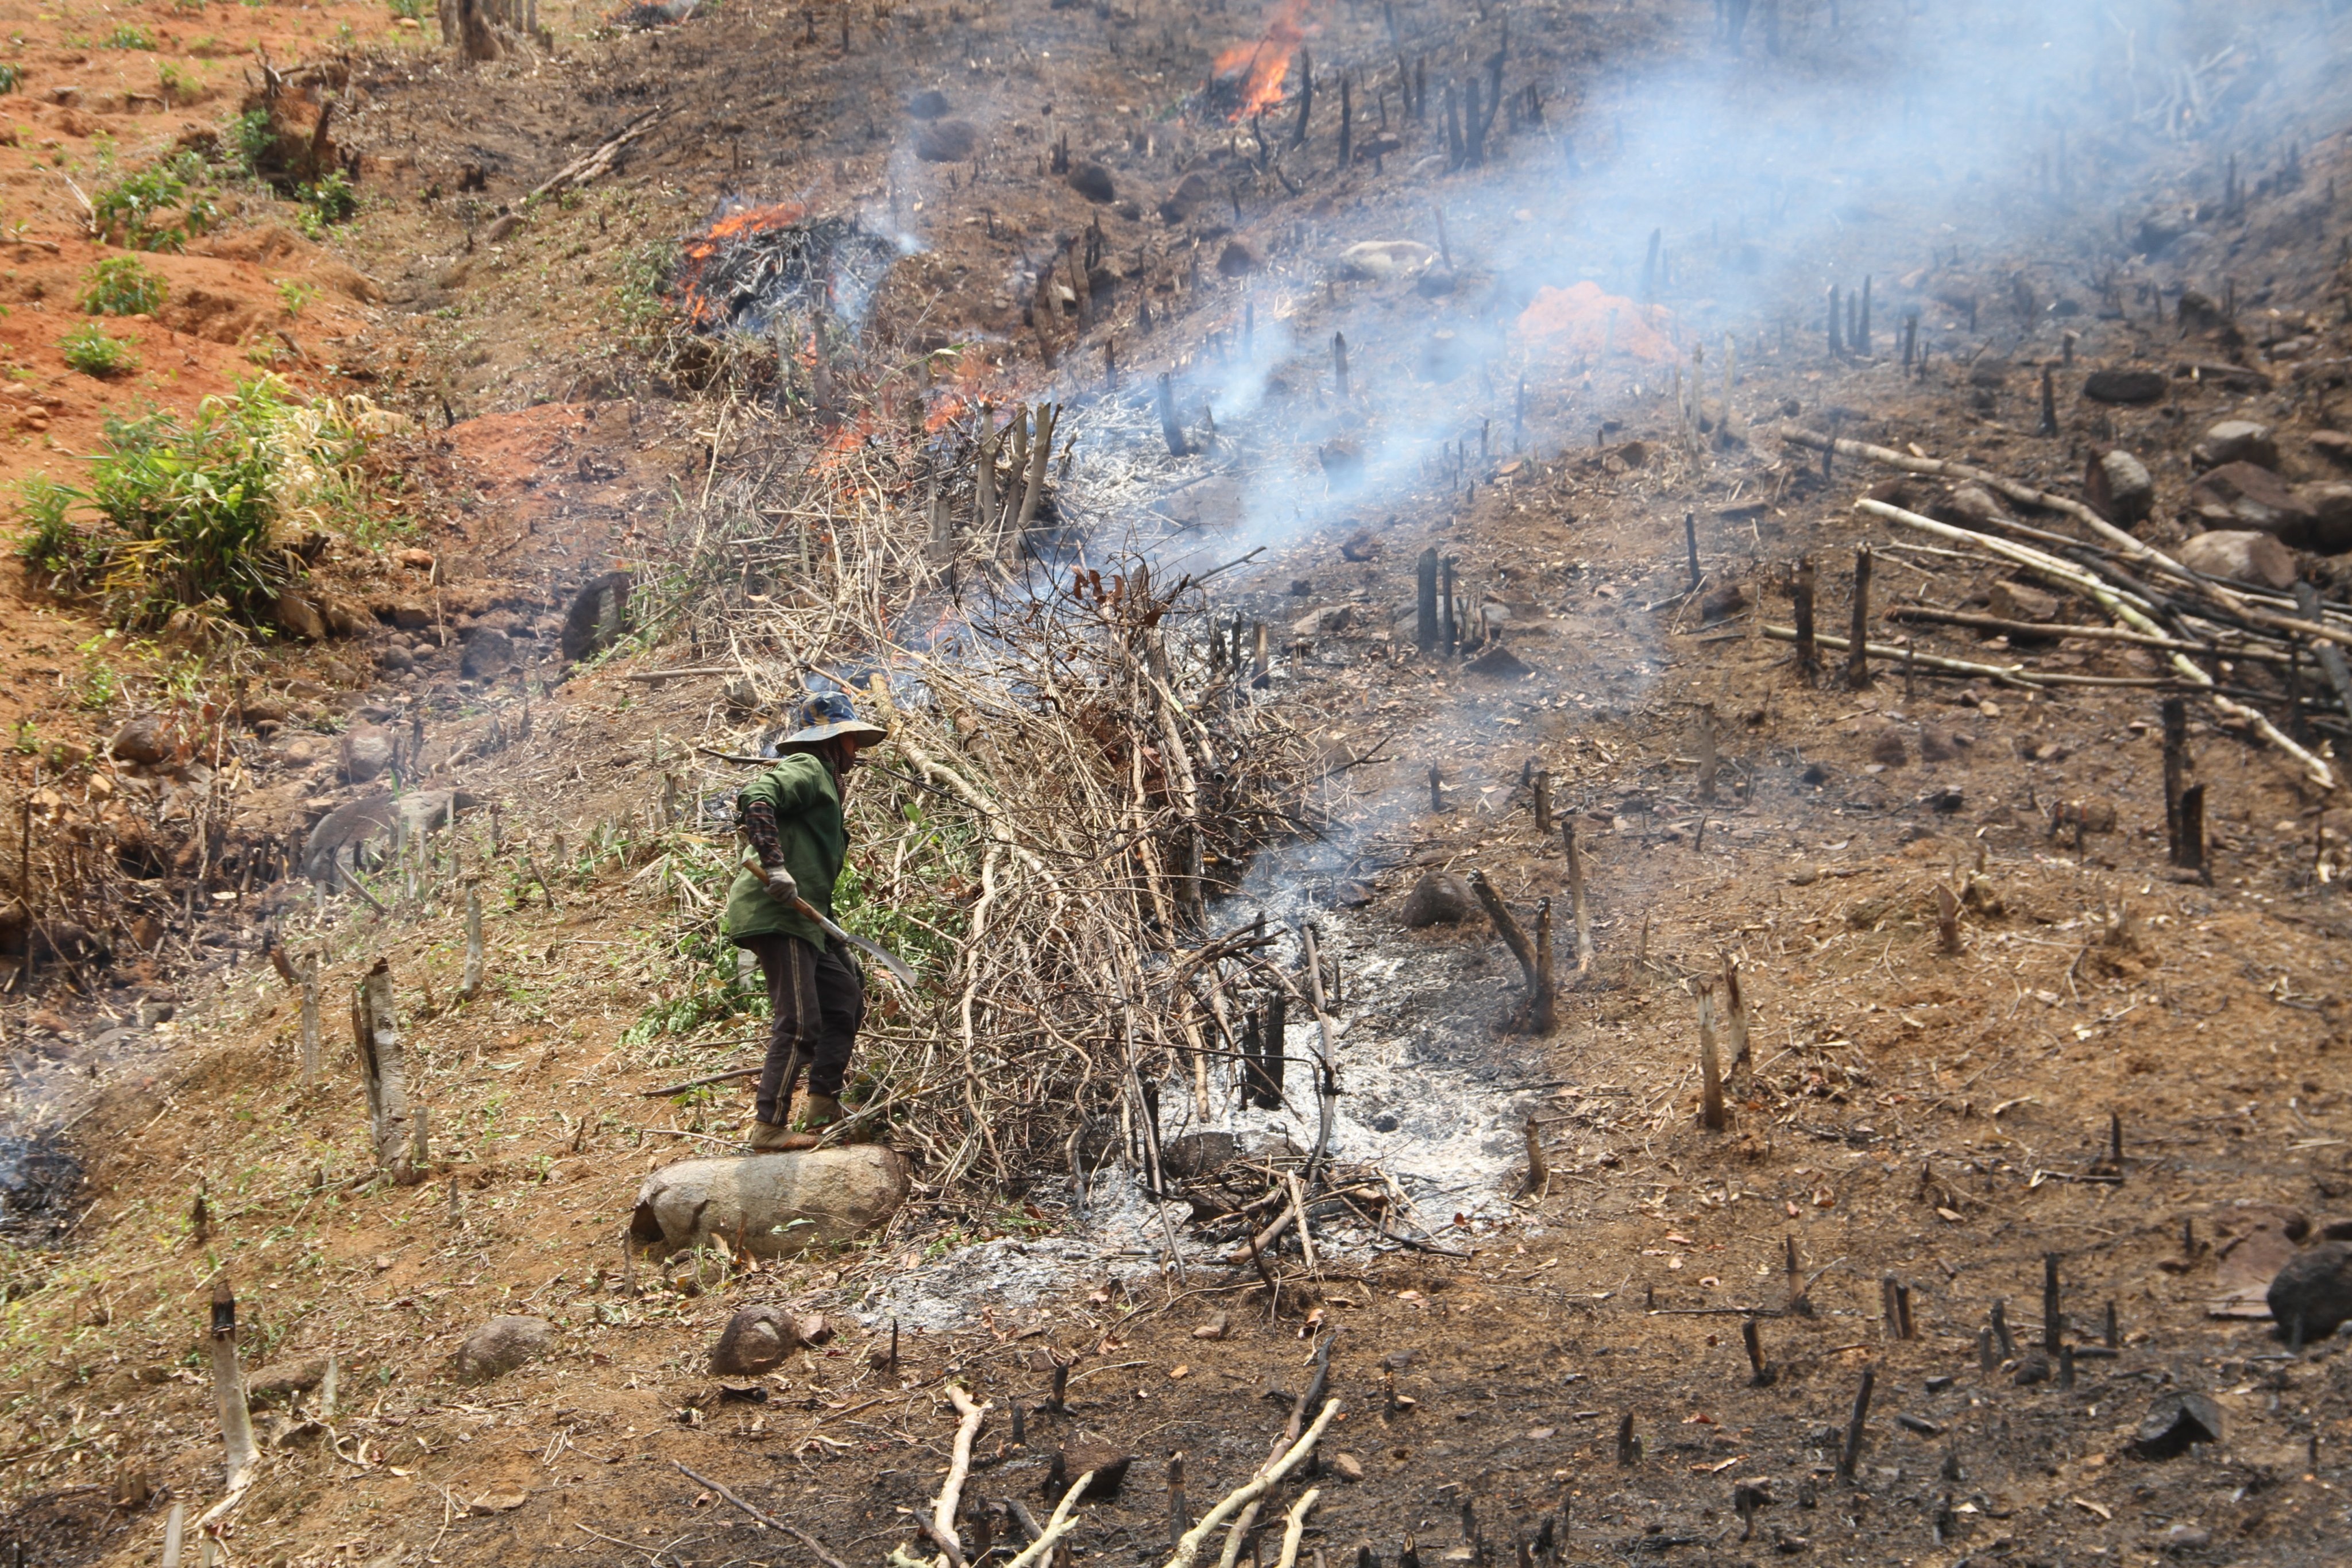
1077, 762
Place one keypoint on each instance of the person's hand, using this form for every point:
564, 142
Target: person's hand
781, 886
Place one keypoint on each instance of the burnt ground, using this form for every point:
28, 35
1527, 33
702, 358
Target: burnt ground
1942, 1119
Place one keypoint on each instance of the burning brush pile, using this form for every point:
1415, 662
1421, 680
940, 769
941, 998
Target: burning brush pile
1075, 771
772, 284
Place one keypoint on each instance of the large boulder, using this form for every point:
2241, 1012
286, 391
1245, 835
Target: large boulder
2243, 556
2119, 486
502, 1344
2236, 441
2312, 1296
771, 1205
2240, 495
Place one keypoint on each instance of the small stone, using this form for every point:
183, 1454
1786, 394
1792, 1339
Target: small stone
502, 1344
2236, 441
1215, 1328
756, 1340
2333, 445
365, 754
2176, 1423
1191, 1155
1936, 745
395, 658
489, 653
1236, 260
282, 1381
1439, 898
2241, 555
1093, 182
1193, 191
2017, 602
813, 1328
2187, 1537
1346, 1466
1971, 505
2313, 1293
2119, 486
2125, 386
1498, 663
2033, 1368
145, 740
2330, 505
1887, 749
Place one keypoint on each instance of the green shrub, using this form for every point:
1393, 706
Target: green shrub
129, 35
12, 76
158, 207
190, 513
90, 350
52, 543
328, 201
122, 286
412, 9
249, 138
174, 83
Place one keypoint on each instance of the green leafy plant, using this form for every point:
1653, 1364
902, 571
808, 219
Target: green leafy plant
158, 207
414, 10
12, 76
248, 138
129, 35
51, 542
174, 83
328, 201
92, 351
187, 511
122, 286
296, 294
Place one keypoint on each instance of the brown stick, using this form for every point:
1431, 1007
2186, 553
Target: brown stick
1538, 1182
2176, 771
770, 1520
1706, 759
1514, 937
1576, 895
1853, 1449
1710, 1066
1857, 659
1543, 800
1735, 1020
1808, 658
1948, 922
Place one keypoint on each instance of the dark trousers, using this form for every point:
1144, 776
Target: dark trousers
818, 1002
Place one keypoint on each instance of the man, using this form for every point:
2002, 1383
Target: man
792, 813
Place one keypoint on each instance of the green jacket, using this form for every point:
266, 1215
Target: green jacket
807, 802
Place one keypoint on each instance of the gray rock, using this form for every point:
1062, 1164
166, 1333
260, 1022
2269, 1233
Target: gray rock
2241, 555
2120, 488
2175, 1423
365, 752
2313, 1294
502, 1344
2242, 495
1093, 182
756, 1340
1970, 505
2236, 441
771, 1204
145, 740
1439, 898
2187, 1537
395, 658
2333, 445
489, 653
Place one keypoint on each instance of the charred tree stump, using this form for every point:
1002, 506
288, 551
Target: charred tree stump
1857, 658
383, 1068
1538, 1014
1800, 593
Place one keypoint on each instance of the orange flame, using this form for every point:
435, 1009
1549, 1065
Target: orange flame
750, 220
1595, 323
1265, 64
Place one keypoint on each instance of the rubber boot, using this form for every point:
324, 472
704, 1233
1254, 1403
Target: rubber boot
771, 1138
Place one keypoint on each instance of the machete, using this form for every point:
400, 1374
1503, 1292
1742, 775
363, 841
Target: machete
889, 961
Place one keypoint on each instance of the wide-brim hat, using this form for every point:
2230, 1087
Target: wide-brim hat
825, 716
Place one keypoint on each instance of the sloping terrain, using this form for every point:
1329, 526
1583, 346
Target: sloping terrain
1999, 1037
